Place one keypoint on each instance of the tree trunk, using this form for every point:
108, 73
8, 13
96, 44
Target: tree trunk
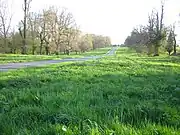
41, 46
57, 49
33, 49
149, 49
67, 52
24, 47
14, 51
169, 53
11, 50
47, 50
174, 47
156, 51
24, 30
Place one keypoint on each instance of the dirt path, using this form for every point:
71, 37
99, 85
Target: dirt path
10, 66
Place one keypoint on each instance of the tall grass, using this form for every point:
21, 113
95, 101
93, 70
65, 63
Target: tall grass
124, 94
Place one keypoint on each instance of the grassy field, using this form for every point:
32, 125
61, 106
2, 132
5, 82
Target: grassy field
126, 94
14, 58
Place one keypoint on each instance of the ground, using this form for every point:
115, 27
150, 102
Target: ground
128, 94
101, 54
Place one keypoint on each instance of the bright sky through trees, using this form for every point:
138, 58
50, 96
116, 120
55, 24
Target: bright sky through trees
114, 18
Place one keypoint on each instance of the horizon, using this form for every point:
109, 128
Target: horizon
114, 19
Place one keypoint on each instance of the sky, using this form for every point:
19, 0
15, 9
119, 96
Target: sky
113, 18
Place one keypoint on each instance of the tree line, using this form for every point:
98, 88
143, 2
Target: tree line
50, 31
154, 36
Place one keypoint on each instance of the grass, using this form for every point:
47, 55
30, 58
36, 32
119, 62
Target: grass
125, 94
14, 58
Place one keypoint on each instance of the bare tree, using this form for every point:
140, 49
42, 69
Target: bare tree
44, 30
159, 30
41, 30
33, 26
151, 33
86, 43
65, 24
156, 30
5, 22
26, 7
15, 42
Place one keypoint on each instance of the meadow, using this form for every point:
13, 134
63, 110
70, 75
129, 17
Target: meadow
14, 58
125, 94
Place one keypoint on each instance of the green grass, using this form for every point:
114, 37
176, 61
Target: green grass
126, 94
14, 58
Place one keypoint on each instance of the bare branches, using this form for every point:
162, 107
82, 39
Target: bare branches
26, 7
152, 35
5, 21
162, 16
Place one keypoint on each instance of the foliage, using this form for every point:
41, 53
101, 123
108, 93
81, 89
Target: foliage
125, 94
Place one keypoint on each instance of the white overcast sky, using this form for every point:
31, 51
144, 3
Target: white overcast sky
114, 18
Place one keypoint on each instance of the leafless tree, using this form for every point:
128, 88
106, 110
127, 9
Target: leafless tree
156, 30
15, 41
5, 21
159, 30
32, 27
23, 33
65, 25
41, 31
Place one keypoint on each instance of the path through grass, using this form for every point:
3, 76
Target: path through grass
124, 94
14, 58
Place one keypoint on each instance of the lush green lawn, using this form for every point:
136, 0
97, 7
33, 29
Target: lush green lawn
124, 94
13, 58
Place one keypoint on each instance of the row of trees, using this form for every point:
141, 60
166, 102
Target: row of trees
52, 30
153, 36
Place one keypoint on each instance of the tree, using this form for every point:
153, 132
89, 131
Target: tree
107, 41
32, 28
5, 22
15, 42
100, 41
156, 30
70, 37
169, 46
154, 34
41, 30
138, 39
66, 28
52, 30
151, 33
86, 43
160, 32
174, 39
23, 34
